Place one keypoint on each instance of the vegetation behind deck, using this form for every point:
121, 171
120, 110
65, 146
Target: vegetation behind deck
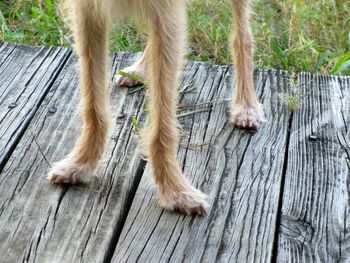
294, 35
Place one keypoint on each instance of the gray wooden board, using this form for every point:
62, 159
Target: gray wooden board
26, 74
40, 222
241, 173
315, 224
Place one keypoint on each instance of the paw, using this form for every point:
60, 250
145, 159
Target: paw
188, 201
137, 70
69, 172
247, 116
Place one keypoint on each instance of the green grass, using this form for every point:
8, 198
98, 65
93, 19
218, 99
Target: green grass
295, 35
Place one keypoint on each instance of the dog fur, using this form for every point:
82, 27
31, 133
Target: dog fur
165, 21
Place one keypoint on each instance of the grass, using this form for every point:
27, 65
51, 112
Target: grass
294, 35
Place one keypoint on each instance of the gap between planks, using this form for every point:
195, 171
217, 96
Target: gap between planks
114, 239
154, 235
21, 81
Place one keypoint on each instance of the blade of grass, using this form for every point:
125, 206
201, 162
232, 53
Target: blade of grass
342, 64
133, 77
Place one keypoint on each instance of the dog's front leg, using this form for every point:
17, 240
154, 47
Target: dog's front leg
90, 30
246, 110
164, 59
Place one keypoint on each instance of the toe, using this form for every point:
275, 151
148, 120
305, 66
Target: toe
69, 172
247, 117
120, 81
198, 210
125, 82
59, 179
192, 202
63, 179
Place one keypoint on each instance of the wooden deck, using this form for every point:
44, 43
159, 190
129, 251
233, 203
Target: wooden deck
278, 195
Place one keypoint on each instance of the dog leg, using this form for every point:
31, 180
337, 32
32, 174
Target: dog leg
164, 58
138, 69
247, 112
90, 32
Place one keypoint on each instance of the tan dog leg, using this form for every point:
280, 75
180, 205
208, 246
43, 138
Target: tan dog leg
138, 69
164, 58
246, 110
90, 33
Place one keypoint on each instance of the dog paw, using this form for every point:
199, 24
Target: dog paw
67, 171
188, 201
136, 70
247, 116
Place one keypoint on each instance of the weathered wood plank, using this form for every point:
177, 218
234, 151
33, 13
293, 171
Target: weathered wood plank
26, 75
315, 224
241, 172
45, 223
5, 50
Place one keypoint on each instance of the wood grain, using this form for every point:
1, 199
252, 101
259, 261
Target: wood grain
280, 195
315, 225
26, 75
44, 223
241, 173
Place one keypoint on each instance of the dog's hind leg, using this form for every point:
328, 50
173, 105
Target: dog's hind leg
167, 28
246, 110
139, 69
90, 31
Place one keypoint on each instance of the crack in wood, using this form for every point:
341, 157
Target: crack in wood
257, 213
280, 197
18, 131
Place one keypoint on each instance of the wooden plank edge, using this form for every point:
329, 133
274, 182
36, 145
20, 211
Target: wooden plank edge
19, 133
285, 149
344, 83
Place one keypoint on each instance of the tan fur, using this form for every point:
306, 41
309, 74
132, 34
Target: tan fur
90, 28
162, 60
246, 110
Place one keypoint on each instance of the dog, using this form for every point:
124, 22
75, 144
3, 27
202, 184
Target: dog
161, 62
